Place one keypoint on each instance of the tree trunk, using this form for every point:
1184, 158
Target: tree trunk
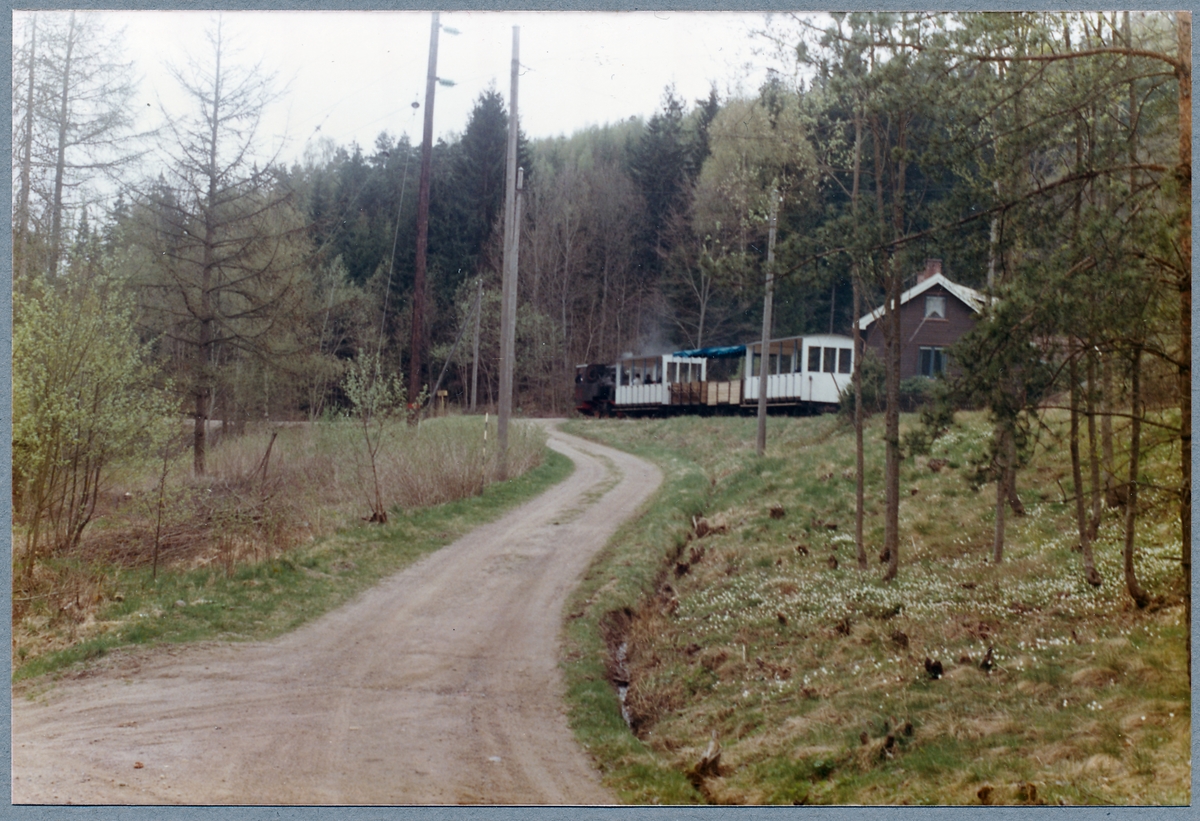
1093, 455
60, 161
203, 387
1085, 537
891, 523
1010, 456
1184, 34
1106, 412
22, 216
1001, 493
1139, 596
859, 506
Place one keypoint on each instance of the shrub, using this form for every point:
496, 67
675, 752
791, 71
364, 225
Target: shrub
83, 401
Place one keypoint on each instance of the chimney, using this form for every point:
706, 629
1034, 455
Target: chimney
932, 266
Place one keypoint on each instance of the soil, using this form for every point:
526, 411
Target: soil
440, 685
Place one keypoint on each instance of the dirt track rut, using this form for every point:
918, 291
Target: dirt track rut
438, 686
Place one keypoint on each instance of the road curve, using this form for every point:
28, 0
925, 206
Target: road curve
440, 685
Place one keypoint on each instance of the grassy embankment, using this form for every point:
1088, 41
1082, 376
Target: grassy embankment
243, 557
802, 670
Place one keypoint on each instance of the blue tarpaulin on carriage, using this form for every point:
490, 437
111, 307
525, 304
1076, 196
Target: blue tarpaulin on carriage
713, 353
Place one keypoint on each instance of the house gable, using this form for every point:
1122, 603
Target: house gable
931, 332
969, 297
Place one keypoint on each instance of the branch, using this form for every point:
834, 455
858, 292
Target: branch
996, 209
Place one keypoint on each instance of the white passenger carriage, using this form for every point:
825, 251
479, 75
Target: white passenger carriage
654, 381
801, 369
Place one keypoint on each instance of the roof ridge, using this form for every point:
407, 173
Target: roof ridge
973, 299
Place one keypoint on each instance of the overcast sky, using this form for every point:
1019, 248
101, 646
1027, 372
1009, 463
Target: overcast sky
350, 75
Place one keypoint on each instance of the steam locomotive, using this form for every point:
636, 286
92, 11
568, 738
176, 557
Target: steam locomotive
803, 373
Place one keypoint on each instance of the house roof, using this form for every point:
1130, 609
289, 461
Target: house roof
968, 296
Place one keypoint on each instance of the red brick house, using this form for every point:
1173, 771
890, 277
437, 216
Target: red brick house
934, 313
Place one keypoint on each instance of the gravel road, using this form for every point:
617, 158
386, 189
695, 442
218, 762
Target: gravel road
440, 685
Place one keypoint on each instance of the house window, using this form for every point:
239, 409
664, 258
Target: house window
935, 307
814, 358
830, 360
933, 361
843, 360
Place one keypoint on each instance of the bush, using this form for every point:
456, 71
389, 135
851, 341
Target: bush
874, 392
83, 401
915, 392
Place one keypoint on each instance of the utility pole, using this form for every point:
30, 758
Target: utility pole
761, 440
418, 330
508, 290
475, 359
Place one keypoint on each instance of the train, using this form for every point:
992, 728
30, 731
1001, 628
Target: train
804, 374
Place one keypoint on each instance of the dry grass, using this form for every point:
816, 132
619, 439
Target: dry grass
251, 507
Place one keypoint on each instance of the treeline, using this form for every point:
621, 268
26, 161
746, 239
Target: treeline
1045, 158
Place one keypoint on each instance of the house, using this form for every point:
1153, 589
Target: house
934, 314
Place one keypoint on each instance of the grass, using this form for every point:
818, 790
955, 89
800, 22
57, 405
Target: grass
789, 661
95, 604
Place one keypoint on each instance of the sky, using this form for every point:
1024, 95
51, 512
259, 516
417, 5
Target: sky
351, 74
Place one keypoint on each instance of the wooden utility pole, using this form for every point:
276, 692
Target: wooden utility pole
475, 358
508, 289
761, 441
418, 330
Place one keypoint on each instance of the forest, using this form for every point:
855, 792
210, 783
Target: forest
1044, 157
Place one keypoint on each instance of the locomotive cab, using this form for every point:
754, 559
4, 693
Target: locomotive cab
594, 389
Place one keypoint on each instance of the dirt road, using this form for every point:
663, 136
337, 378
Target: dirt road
439, 685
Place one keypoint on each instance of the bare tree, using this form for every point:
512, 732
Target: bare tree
228, 242
73, 122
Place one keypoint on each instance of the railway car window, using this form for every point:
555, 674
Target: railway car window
814, 358
843, 360
830, 360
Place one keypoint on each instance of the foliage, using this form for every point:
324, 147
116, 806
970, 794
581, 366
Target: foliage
84, 400
375, 400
